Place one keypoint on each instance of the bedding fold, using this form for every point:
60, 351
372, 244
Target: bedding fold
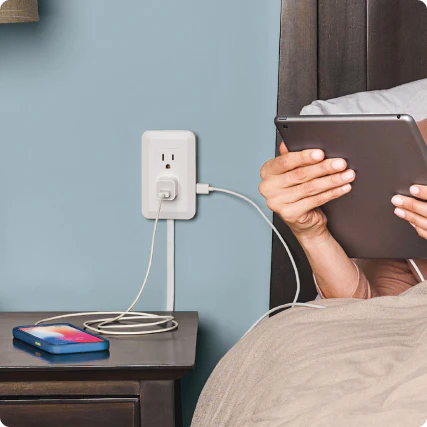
356, 363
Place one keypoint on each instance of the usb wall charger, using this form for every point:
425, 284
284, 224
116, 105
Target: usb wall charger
169, 164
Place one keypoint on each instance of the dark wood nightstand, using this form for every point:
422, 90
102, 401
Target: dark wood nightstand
136, 385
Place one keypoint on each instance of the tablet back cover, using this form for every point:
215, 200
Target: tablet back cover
389, 155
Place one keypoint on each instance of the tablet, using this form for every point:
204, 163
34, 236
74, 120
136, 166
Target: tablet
388, 154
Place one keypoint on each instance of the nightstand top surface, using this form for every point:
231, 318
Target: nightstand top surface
160, 356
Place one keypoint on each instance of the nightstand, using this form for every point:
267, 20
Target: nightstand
136, 384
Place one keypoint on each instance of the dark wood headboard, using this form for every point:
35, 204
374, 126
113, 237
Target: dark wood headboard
331, 48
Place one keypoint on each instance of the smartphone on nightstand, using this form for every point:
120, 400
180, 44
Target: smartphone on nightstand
60, 338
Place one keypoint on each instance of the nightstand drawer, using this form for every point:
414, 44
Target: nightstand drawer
70, 413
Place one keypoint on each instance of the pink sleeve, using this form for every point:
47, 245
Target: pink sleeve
382, 278
390, 277
362, 287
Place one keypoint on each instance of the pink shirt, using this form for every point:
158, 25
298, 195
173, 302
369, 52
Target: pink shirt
385, 277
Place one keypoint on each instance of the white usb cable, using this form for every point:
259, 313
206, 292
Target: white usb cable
418, 271
206, 189
128, 319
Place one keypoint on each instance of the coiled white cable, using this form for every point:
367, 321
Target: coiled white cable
127, 319
206, 189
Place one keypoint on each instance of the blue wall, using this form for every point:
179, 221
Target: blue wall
76, 92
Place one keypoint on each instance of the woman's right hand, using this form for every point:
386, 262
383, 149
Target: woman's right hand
296, 184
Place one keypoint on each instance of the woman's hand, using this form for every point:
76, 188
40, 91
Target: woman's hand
413, 211
296, 184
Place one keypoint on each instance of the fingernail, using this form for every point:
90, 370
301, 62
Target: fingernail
317, 155
412, 225
414, 190
399, 213
338, 164
346, 176
346, 188
397, 201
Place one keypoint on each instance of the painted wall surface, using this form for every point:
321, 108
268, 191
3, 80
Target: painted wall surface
76, 92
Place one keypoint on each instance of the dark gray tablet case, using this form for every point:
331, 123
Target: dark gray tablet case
389, 155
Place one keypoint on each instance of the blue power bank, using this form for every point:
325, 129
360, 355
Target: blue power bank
60, 338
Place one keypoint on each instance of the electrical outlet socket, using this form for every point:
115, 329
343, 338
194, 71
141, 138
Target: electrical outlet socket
169, 162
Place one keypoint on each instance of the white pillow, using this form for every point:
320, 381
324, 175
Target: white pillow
410, 98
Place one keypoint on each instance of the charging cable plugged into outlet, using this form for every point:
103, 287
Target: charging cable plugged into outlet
167, 188
207, 189
131, 320
169, 192
169, 166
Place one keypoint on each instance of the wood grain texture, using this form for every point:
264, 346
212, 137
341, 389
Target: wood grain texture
297, 87
162, 356
70, 413
331, 48
397, 42
70, 388
298, 55
95, 389
158, 404
342, 47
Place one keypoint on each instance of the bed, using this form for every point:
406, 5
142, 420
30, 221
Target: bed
356, 362
331, 48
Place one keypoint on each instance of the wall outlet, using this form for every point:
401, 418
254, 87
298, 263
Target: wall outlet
169, 158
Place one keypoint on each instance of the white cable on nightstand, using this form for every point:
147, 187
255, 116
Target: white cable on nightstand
128, 319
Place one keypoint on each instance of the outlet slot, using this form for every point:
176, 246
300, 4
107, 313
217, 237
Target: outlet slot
173, 157
163, 157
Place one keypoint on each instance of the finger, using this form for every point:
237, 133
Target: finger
419, 191
290, 161
323, 198
283, 149
417, 220
272, 183
421, 232
309, 173
410, 204
319, 186
291, 212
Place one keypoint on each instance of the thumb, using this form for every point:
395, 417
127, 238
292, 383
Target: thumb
283, 149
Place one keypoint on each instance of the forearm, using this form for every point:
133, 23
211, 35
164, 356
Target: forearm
335, 273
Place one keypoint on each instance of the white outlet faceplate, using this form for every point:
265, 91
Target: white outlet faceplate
169, 154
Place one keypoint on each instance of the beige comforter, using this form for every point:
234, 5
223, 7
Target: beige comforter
356, 363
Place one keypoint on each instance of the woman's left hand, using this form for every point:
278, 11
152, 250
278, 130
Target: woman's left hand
412, 210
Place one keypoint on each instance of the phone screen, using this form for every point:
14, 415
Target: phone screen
60, 334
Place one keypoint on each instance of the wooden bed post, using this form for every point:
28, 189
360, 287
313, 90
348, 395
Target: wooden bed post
323, 55
332, 48
297, 87
397, 42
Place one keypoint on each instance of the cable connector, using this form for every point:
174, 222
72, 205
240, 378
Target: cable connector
167, 187
203, 189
